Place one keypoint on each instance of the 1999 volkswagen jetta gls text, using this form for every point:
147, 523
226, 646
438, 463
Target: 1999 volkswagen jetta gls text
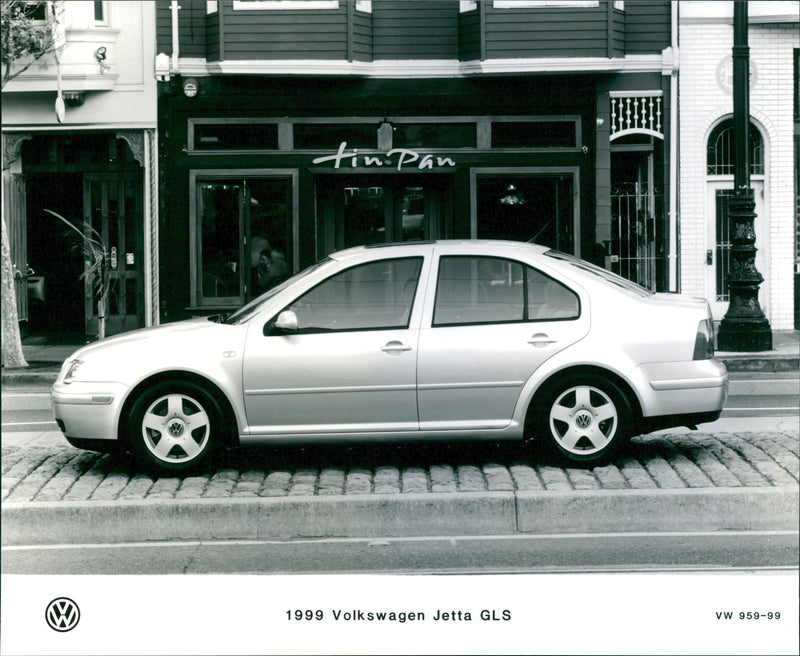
440, 340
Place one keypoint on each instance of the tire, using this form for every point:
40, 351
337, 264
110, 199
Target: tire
175, 426
584, 419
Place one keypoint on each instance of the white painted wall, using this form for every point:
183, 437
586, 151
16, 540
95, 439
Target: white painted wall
706, 38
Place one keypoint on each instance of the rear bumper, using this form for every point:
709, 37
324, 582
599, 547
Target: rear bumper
677, 390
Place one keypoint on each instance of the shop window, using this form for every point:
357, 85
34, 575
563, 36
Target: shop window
324, 136
243, 238
434, 135
534, 134
230, 135
535, 4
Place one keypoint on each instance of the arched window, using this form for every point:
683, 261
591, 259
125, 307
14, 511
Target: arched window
721, 157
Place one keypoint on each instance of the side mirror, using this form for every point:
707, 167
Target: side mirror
287, 322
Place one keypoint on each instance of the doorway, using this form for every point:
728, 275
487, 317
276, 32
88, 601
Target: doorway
55, 288
362, 210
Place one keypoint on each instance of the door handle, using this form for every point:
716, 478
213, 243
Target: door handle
541, 340
394, 347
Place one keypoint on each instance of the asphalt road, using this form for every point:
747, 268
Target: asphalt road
618, 552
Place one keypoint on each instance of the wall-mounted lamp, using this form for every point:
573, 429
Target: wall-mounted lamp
100, 55
513, 197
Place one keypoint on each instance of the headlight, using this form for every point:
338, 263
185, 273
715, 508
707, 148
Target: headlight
71, 371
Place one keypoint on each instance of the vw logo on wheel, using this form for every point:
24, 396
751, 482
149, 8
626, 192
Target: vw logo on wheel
176, 428
62, 614
583, 420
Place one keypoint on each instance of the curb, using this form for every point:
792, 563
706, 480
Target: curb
366, 516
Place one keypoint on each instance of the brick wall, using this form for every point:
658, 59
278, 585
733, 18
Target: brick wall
704, 101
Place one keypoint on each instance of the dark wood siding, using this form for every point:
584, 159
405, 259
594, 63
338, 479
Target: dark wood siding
547, 32
163, 27
191, 28
362, 36
617, 34
648, 26
414, 29
284, 34
469, 36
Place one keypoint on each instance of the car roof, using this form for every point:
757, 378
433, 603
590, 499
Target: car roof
477, 246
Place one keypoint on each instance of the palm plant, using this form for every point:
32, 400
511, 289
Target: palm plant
96, 267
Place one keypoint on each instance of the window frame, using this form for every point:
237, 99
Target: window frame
545, 4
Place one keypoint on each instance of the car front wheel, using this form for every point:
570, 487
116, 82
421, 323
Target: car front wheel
175, 425
584, 420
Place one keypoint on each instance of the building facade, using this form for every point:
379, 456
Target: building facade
79, 139
706, 152
290, 129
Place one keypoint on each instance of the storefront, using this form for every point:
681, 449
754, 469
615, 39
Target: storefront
291, 170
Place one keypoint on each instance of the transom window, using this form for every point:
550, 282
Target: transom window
721, 155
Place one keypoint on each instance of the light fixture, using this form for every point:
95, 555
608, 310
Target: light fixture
513, 197
100, 55
74, 98
190, 87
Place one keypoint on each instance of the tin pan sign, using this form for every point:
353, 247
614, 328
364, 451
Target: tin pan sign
399, 158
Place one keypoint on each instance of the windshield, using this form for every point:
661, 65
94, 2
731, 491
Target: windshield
605, 274
247, 311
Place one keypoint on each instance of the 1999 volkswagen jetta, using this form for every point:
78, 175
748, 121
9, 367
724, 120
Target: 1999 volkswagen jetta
417, 341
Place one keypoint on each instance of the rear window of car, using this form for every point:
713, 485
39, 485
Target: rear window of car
599, 272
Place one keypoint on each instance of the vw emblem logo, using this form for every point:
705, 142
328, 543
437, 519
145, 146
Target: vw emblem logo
62, 614
176, 428
583, 420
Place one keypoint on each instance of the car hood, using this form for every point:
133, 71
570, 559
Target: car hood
179, 330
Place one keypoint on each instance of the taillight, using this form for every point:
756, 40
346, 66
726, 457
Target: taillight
704, 341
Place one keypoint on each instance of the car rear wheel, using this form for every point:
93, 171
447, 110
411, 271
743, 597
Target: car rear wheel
175, 425
584, 419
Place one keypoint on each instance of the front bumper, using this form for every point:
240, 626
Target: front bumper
88, 411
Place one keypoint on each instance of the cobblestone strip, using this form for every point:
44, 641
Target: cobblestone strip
636, 475
525, 478
611, 478
276, 484
21, 469
470, 479
738, 466
304, 483
40, 474
57, 487
414, 480
137, 488
358, 481
582, 479
443, 479
759, 459
662, 473
498, 478
89, 481
164, 488
554, 478
331, 482
249, 483
111, 486
192, 487
780, 454
386, 480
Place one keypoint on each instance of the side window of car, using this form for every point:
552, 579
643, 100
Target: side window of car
474, 290
548, 299
374, 296
480, 290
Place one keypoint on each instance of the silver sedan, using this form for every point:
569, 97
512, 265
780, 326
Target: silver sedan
443, 340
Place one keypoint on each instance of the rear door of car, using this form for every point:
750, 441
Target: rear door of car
351, 367
489, 323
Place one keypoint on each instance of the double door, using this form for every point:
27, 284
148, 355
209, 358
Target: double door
373, 209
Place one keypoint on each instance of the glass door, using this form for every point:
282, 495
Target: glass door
113, 210
364, 210
242, 236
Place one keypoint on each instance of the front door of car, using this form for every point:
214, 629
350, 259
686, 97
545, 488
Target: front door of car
494, 321
350, 366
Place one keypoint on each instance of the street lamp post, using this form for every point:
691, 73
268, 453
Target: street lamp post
744, 327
